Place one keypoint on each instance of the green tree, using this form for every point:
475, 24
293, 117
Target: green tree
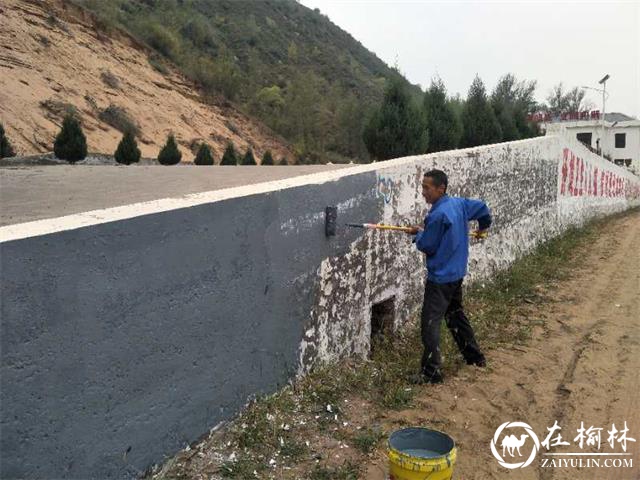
216, 77
442, 124
6, 150
304, 118
561, 101
576, 101
162, 39
267, 158
506, 118
350, 118
70, 143
229, 157
199, 32
481, 126
204, 157
170, 155
248, 158
269, 101
283, 162
397, 128
512, 101
127, 151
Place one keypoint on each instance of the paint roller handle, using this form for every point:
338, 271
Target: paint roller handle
413, 230
380, 226
479, 234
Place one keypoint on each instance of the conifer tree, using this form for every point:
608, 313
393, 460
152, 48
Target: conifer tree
397, 128
267, 158
248, 158
127, 151
481, 126
229, 157
70, 143
6, 150
204, 157
170, 155
442, 124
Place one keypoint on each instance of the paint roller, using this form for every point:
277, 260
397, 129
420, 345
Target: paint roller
331, 216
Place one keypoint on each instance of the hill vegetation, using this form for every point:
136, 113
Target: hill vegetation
312, 82
281, 63
59, 60
288, 65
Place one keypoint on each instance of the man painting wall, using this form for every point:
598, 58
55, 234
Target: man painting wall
444, 239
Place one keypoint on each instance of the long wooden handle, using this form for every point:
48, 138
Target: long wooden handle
380, 226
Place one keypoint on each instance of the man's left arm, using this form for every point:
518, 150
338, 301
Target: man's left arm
478, 210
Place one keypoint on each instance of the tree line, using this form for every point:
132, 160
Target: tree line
71, 145
401, 127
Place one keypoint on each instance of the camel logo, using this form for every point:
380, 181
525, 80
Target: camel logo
511, 444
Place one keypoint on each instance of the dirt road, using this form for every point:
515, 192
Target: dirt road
581, 366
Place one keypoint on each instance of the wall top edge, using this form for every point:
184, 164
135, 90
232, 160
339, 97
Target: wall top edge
94, 217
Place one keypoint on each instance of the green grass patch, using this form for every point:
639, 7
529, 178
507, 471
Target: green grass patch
347, 471
242, 468
368, 439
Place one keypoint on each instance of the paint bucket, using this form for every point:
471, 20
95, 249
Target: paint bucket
421, 454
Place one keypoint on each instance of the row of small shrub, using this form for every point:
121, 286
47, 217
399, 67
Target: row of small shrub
71, 145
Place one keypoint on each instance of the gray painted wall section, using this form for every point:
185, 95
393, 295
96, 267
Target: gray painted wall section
139, 335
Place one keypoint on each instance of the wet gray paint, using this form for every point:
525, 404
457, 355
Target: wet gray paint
135, 337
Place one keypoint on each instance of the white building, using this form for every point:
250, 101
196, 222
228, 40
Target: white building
621, 136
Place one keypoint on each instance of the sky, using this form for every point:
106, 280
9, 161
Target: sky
575, 43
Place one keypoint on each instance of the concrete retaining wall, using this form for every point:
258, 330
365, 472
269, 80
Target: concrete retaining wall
130, 332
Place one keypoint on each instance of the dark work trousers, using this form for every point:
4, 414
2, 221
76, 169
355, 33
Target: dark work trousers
445, 300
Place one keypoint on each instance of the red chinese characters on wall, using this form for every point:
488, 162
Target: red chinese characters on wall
567, 116
580, 178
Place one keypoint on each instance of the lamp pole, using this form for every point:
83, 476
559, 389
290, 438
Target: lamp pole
603, 90
603, 82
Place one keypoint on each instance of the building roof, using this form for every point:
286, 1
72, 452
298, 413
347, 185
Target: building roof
617, 117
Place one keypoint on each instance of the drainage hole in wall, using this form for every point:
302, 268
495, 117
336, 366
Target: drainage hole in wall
382, 315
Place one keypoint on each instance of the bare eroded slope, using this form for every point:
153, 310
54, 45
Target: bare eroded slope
51, 55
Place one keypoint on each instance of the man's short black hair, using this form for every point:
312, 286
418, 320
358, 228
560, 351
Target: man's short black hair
438, 177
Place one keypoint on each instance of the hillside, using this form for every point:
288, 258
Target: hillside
288, 65
53, 59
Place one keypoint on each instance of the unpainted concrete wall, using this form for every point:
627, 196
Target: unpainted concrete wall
124, 340
535, 188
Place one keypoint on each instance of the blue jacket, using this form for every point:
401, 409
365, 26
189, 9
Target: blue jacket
445, 238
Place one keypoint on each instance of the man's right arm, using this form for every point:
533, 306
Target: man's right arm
428, 240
